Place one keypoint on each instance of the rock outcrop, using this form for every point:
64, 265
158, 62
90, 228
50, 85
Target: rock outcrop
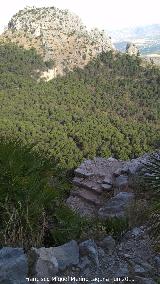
104, 191
94, 184
13, 266
116, 206
103, 188
131, 259
132, 49
58, 35
47, 262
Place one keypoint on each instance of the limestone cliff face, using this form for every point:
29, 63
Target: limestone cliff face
132, 49
57, 35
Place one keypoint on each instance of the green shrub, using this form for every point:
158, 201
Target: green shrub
151, 173
150, 176
68, 225
98, 229
26, 195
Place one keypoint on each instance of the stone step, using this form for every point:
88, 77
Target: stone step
88, 184
81, 207
116, 206
107, 187
81, 173
108, 181
88, 196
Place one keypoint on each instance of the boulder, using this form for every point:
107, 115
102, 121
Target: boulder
46, 262
143, 269
13, 266
107, 181
142, 280
89, 248
107, 187
80, 172
157, 262
116, 206
108, 244
121, 182
84, 263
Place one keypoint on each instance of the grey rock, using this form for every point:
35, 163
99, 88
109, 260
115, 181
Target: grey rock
89, 196
42, 263
67, 254
141, 280
107, 181
157, 261
116, 206
81, 206
101, 252
82, 173
135, 165
108, 244
121, 182
141, 268
84, 262
77, 181
13, 266
117, 173
45, 262
111, 159
107, 187
89, 248
137, 232
118, 269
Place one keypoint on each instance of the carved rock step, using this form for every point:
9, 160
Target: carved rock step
81, 173
99, 167
88, 184
116, 206
81, 207
107, 187
88, 196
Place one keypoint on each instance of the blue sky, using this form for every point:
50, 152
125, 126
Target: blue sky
104, 14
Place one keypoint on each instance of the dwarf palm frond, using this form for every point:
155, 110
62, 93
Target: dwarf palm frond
151, 173
151, 178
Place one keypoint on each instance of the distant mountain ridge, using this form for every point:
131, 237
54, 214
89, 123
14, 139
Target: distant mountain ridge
135, 32
58, 35
147, 38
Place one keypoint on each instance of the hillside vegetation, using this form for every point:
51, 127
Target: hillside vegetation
57, 35
111, 107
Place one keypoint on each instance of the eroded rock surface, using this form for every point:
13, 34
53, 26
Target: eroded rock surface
117, 206
46, 262
104, 187
13, 266
130, 258
58, 35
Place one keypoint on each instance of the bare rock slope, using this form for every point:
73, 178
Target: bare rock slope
58, 35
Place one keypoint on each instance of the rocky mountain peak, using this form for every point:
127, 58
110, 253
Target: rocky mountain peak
132, 49
30, 19
58, 35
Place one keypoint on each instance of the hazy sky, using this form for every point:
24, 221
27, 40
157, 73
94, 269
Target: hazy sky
105, 14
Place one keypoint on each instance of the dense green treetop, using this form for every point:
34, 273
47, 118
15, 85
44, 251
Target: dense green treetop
111, 107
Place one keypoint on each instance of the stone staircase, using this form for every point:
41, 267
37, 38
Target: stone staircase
93, 185
104, 188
